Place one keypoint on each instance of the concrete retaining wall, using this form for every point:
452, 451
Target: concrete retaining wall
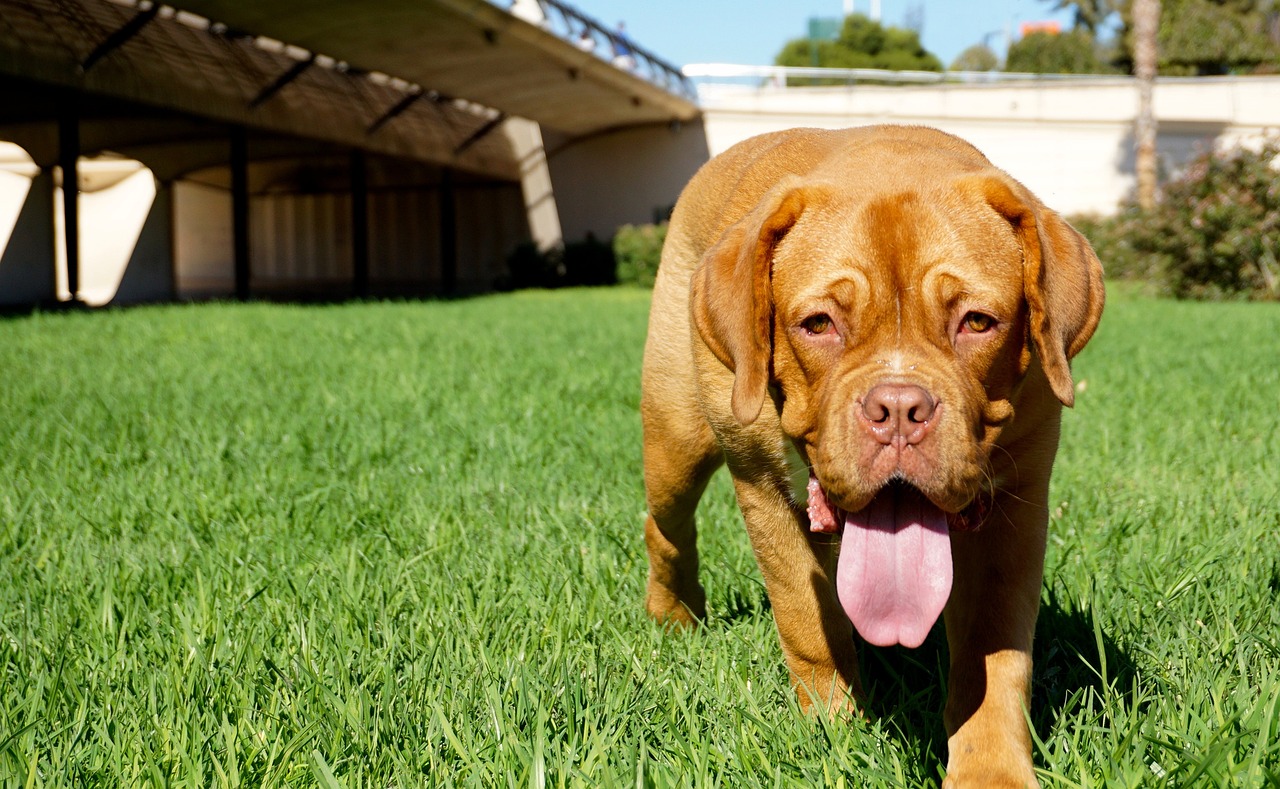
1070, 142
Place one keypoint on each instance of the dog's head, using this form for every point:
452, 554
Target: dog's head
895, 331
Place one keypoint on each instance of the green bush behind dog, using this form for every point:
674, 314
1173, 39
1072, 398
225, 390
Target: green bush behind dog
638, 248
1215, 234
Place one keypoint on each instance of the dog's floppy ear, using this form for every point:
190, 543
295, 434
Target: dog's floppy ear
1062, 280
732, 303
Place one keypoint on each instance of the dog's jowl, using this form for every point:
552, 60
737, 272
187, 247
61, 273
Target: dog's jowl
872, 328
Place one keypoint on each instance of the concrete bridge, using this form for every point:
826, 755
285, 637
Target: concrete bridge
405, 147
317, 147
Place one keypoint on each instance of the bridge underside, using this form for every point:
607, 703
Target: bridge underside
328, 148
469, 49
168, 62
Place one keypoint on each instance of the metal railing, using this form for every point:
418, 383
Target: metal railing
716, 77
611, 46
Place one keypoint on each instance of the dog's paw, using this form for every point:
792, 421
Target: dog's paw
680, 611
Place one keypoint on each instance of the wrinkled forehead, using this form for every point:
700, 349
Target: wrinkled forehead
940, 245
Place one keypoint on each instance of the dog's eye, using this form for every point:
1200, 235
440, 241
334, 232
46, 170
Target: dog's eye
977, 322
817, 324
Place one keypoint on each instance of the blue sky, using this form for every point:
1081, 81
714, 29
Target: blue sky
752, 31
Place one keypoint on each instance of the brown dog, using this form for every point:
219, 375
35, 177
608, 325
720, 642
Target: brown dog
872, 328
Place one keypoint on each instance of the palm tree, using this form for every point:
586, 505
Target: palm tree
1146, 21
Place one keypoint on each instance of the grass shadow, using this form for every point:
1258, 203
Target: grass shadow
1071, 656
1074, 655
906, 688
739, 605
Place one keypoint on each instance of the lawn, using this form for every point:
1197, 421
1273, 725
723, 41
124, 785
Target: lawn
399, 544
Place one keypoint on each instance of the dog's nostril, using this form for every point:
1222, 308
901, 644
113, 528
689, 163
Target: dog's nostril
921, 412
902, 405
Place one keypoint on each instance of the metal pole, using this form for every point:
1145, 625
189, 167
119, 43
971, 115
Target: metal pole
68, 161
240, 209
359, 224
448, 233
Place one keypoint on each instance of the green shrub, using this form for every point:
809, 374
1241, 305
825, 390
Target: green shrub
1219, 226
1214, 235
1112, 239
638, 248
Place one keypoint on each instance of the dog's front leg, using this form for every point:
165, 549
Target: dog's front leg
990, 621
798, 567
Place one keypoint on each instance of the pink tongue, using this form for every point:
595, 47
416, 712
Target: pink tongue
894, 575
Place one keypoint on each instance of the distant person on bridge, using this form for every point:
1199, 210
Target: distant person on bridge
622, 56
586, 42
530, 11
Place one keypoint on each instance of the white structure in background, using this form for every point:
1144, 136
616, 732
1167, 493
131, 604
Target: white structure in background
115, 198
850, 7
1070, 140
16, 173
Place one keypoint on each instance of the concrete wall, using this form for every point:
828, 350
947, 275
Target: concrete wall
628, 176
1070, 142
148, 269
202, 248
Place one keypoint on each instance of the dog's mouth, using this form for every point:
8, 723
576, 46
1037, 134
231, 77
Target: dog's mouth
894, 575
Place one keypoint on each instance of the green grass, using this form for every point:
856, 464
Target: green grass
400, 545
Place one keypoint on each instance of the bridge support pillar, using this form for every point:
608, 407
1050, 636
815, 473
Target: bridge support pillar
623, 176
27, 260
535, 183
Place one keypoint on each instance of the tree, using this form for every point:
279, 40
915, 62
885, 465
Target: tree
978, 57
1146, 22
862, 43
1205, 37
1074, 52
1089, 14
